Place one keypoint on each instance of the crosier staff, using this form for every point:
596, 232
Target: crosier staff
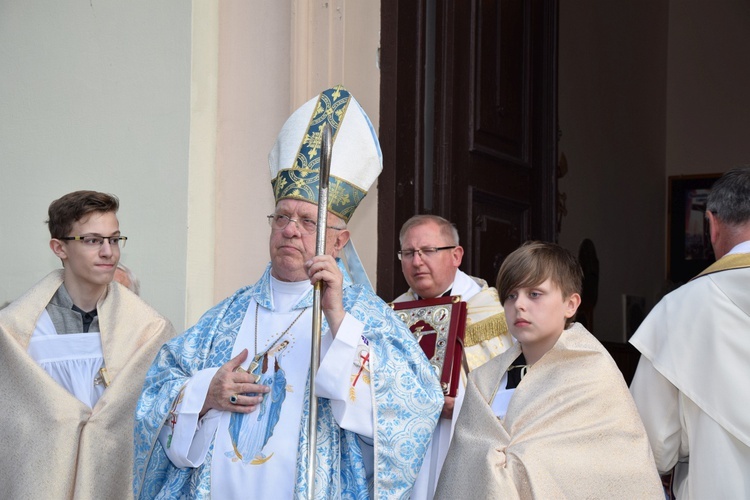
317, 319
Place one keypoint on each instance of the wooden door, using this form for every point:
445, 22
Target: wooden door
468, 126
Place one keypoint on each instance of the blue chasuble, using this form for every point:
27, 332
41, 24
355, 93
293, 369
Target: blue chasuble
407, 404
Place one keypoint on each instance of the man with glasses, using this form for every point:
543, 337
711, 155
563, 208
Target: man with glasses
430, 257
225, 406
73, 354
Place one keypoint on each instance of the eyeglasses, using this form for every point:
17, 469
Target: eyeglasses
305, 226
97, 241
425, 253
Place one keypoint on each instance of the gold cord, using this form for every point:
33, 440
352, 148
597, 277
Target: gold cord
258, 356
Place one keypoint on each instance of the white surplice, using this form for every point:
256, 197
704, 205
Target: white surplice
73, 360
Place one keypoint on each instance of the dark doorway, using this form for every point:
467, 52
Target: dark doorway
468, 126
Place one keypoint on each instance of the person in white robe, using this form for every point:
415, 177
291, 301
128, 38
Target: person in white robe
74, 351
691, 382
430, 258
225, 406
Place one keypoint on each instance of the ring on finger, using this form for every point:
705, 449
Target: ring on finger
233, 399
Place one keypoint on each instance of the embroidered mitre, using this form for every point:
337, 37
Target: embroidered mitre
356, 159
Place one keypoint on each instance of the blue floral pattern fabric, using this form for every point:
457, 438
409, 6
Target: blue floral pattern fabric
406, 392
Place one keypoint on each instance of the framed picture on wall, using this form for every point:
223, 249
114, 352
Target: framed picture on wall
689, 242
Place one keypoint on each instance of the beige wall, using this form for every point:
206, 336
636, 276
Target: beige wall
198, 289
174, 107
254, 69
274, 56
96, 96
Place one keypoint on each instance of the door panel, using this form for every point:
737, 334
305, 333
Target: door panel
468, 126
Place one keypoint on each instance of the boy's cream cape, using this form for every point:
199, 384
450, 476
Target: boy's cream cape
571, 431
54, 446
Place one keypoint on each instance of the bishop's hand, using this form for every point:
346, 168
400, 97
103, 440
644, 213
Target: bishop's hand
229, 388
323, 268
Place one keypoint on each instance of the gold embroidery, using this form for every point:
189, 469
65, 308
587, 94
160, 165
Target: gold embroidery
728, 262
258, 460
488, 328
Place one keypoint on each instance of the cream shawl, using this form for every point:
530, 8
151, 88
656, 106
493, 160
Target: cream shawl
54, 446
571, 431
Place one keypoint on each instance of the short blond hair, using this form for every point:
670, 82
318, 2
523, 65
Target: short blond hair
533, 263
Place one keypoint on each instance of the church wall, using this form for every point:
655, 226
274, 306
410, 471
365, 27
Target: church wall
708, 102
647, 90
173, 108
96, 95
274, 56
612, 114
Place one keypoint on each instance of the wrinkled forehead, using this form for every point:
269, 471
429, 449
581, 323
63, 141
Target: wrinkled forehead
297, 207
428, 232
303, 209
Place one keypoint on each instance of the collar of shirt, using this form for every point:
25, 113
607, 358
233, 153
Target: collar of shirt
446, 293
87, 317
63, 300
743, 247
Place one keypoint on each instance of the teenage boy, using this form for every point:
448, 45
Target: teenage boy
74, 351
552, 416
